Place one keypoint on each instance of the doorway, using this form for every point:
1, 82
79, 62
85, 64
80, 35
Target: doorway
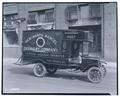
95, 49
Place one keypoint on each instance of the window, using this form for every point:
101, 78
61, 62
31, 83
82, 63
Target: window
95, 10
49, 15
10, 32
41, 16
10, 37
32, 18
9, 20
72, 13
46, 16
79, 11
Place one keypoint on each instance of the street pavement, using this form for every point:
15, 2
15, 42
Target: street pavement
20, 79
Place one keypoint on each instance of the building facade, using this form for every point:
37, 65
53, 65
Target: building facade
99, 18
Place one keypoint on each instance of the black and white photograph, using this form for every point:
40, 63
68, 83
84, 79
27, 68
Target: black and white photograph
59, 48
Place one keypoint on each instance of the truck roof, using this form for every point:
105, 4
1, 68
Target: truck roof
67, 30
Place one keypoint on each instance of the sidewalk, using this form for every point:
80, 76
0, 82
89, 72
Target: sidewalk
111, 64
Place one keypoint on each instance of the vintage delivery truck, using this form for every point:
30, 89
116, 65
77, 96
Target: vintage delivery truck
49, 50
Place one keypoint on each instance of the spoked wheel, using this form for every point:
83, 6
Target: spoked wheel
39, 70
51, 70
104, 71
95, 75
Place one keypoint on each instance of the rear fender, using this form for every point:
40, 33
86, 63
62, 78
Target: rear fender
40, 61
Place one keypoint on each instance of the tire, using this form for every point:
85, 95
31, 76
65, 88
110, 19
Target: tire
39, 70
51, 70
94, 74
104, 71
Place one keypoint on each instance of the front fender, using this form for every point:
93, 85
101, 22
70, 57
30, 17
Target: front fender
88, 63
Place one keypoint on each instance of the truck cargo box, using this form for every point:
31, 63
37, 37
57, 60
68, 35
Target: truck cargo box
50, 43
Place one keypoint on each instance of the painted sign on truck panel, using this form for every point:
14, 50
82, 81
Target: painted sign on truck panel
42, 43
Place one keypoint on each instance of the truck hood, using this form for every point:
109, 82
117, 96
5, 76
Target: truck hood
95, 58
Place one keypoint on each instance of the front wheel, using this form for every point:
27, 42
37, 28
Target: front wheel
94, 74
39, 70
51, 70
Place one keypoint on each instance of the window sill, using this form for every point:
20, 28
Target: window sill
72, 19
11, 46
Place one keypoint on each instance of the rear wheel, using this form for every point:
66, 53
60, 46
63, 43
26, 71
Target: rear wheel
94, 74
51, 70
39, 70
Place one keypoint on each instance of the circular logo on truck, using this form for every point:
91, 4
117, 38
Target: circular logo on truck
40, 41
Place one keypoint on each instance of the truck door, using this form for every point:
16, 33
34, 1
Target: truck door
75, 49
